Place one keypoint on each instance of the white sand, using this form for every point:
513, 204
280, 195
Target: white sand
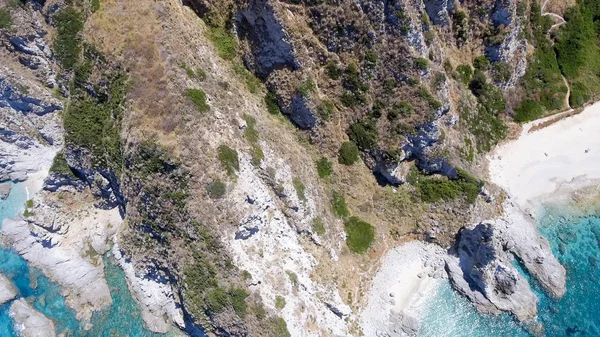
400, 282
538, 163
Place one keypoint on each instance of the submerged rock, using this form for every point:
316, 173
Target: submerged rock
5, 190
29, 322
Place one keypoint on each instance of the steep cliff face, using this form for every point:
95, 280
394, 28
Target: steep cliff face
235, 221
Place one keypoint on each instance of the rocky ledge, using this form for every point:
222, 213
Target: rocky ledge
481, 265
7, 291
29, 322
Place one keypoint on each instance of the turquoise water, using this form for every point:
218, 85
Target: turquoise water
577, 245
122, 319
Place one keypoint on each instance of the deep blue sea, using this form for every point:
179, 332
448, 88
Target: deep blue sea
576, 244
122, 319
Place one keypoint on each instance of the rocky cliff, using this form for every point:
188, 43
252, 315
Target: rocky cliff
251, 161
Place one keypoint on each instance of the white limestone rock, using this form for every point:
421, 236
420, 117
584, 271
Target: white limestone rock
7, 290
29, 322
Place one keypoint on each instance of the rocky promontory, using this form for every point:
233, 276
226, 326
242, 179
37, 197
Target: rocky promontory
483, 272
29, 322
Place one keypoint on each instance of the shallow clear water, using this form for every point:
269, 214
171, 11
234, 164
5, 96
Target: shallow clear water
577, 245
122, 319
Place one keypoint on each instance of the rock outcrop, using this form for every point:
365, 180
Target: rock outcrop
58, 249
5, 190
484, 273
158, 301
521, 238
7, 290
269, 45
30, 322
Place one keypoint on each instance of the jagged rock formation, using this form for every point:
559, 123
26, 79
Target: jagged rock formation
483, 272
482, 269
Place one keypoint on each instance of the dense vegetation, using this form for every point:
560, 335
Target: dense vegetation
578, 52
360, 234
435, 189
67, 45
5, 19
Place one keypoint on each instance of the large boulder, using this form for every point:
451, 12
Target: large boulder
484, 273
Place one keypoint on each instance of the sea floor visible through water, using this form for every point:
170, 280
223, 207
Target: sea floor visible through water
444, 313
122, 319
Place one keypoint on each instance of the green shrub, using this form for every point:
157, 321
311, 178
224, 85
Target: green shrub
198, 98
279, 327
371, 57
402, 109
216, 189
432, 189
279, 302
250, 131
271, 102
224, 42
348, 154
95, 5
326, 110
360, 234
200, 74
364, 135
460, 26
421, 63
217, 300
527, 111
307, 87
229, 159
238, 301
333, 70
29, 203
67, 44
427, 96
349, 99
5, 19
60, 166
300, 189
501, 72
465, 72
579, 94
338, 204
324, 167
252, 82
481, 63
293, 278
318, 226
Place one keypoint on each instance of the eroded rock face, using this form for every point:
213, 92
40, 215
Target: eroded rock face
267, 40
484, 273
29, 322
438, 11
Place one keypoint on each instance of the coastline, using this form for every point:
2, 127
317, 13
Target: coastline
553, 163
404, 279
550, 162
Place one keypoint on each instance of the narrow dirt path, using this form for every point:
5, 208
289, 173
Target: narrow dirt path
561, 22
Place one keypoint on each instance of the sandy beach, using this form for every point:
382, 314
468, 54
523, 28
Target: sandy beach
403, 279
540, 162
